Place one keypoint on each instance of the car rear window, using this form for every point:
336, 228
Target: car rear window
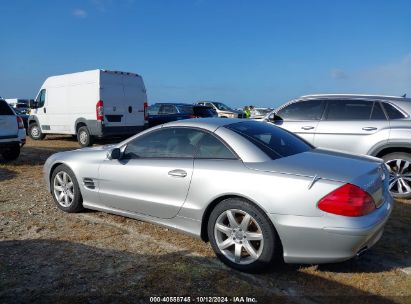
5, 109
272, 140
392, 112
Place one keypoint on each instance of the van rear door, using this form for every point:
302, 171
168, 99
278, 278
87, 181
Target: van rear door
123, 95
8, 121
135, 97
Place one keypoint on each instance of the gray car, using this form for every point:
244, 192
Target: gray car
362, 124
255, 191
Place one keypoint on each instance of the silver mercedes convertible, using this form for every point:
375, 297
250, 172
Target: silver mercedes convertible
257, 192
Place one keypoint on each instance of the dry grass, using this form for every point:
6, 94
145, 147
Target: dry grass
46, 254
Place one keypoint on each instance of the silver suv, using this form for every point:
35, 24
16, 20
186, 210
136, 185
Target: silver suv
12, 132
360, 124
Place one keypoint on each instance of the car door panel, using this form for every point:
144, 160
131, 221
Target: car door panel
352, 126
154, 187
304, 129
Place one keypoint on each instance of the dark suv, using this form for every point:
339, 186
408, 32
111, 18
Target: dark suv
361, 124
160, 113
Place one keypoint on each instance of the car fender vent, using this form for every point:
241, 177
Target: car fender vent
89, 183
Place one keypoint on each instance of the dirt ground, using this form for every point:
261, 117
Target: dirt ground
47, 255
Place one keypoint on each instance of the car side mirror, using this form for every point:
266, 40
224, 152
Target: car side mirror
274, 118
114, 154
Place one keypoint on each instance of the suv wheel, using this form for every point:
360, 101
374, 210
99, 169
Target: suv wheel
35, 132
84, 137
242, 236
399, 165
11, 153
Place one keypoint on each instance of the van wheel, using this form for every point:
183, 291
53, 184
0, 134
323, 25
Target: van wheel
11, 153
84, 138
35, 132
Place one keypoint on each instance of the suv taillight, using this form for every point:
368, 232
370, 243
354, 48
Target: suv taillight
20, 122
100, 110
348, 200
145, 110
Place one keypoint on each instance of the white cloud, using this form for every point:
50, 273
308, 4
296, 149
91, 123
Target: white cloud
79, 13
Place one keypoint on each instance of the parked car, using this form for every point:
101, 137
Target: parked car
12, 132
222, 109
160, 113
210, 178
24, 114
97, 103
363, 124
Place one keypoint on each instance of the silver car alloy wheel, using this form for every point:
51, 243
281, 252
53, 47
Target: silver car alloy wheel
63, 189
238, 236
400, 176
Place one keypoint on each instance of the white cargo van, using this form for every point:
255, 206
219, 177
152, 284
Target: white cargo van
97, 103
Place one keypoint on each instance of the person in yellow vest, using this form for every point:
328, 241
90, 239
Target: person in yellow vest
247, 112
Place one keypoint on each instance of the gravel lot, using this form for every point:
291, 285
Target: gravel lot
50, 256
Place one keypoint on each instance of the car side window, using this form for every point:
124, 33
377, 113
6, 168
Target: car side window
153, 109
211, 147
392, 112
164, 143
167, 109
349, 110
377, 112
41, 98
303, 110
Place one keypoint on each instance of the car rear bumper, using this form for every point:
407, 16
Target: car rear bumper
330, 238
4, 145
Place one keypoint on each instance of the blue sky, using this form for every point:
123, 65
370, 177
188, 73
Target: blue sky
235, 51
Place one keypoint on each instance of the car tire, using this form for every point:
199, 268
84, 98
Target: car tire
399, 164
35, 132
230, 237
11, 153
65, 190
84, 138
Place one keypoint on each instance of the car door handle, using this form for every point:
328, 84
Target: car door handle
44, 110
177, 173
307, 127
369, 128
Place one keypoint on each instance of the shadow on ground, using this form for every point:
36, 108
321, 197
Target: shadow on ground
64, 272
6, 174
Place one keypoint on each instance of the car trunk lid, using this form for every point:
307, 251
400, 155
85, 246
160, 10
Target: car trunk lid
365, 172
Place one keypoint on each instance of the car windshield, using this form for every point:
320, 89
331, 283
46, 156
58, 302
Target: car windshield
222, 107
272, 140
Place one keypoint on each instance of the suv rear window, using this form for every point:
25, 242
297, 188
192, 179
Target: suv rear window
5, 109
392, 112
273, 141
